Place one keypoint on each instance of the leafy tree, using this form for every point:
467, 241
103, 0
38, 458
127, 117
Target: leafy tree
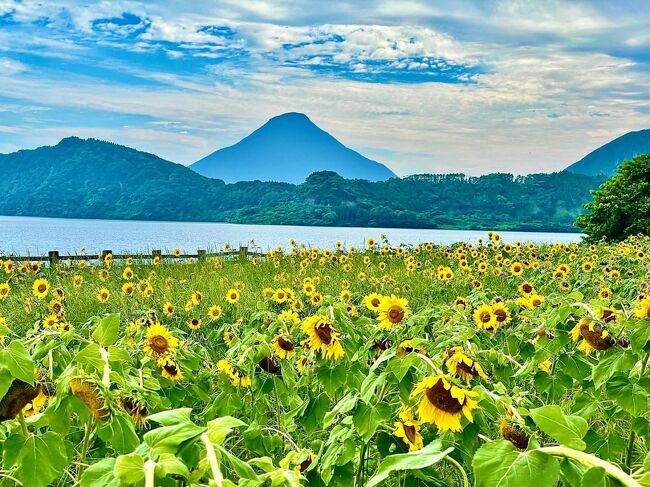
621, 206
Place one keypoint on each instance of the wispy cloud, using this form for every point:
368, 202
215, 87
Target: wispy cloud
472, 86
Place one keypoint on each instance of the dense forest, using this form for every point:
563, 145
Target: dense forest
95, 179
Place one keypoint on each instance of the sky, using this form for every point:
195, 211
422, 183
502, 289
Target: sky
422, 86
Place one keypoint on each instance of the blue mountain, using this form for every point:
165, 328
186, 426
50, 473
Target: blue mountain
608, 157
288, 148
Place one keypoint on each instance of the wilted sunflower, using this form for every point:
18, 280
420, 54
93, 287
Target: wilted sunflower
443, 402
137, 410
392, 312
406, 347
323, 337
40, 288
16, 398
159, 341
91, 395
594, 336
459, 364
170, 369
283, 347
514, 433
407, 428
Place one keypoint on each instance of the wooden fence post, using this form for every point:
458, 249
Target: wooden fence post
201, 254
54, 257
243, 252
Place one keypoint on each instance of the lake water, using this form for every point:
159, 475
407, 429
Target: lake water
36, 236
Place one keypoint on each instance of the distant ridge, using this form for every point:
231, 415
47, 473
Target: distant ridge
608, 157
288, 148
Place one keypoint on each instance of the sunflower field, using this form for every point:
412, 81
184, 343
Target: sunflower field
483, 364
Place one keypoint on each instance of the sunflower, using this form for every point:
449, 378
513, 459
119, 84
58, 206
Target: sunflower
50, 321
4, 290
77, 280
460, 365
170, 369
237, 378
372, 302
280, 296
232, 296
443, 402
283, 347
407, 428
137, 410
502, 313
19, 395
159, 341
128, 288
40, 288
168, 309
392, 312
194, 323
323, 337
197, 297
345, 295
514, 433
406, 347
316, 299
103, 295
484, 318
604, 293
526, 288
215, 311
642, 309
91, 395
517, 269
36, 405
594, 336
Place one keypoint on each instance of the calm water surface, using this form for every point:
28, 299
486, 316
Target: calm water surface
35, 236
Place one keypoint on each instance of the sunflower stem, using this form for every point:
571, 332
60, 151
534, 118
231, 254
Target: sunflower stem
358, 481
212, 460
433, 367
85, 445
629, 457
149, 473
460, 469
23, 425
591, 461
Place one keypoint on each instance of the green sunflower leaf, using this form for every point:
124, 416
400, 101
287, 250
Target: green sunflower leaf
568, 430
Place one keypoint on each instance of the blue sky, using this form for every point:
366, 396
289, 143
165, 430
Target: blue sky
444, 86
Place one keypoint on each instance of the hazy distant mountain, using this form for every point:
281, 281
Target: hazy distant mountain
608, 157
288, 148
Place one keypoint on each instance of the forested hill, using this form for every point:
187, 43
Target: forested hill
94, 179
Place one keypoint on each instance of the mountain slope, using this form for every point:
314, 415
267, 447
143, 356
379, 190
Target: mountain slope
288, 148
95, 179
608, 157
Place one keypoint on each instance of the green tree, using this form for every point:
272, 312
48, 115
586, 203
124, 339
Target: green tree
621, 206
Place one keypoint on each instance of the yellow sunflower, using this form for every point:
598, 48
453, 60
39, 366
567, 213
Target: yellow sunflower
168, 309
484, 318
4, 290
323, 337
392, 312
40, 288
283, 347
232, 296
194, 323
443, 403
460, 365
407, 428
103, 295
642, 309
170, 369
502, 313
372, 302
214, 313
159, 341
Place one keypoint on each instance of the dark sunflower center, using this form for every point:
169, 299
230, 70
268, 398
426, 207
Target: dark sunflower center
609, 315
285, 345
468, 369
395, 314
486, 317
42, 288
324, 333
159, 343
527, 288
375, 302
441, 398
410, 432
195, 322
171, 369
501, 315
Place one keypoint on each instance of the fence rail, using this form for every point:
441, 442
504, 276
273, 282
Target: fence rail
53, 256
